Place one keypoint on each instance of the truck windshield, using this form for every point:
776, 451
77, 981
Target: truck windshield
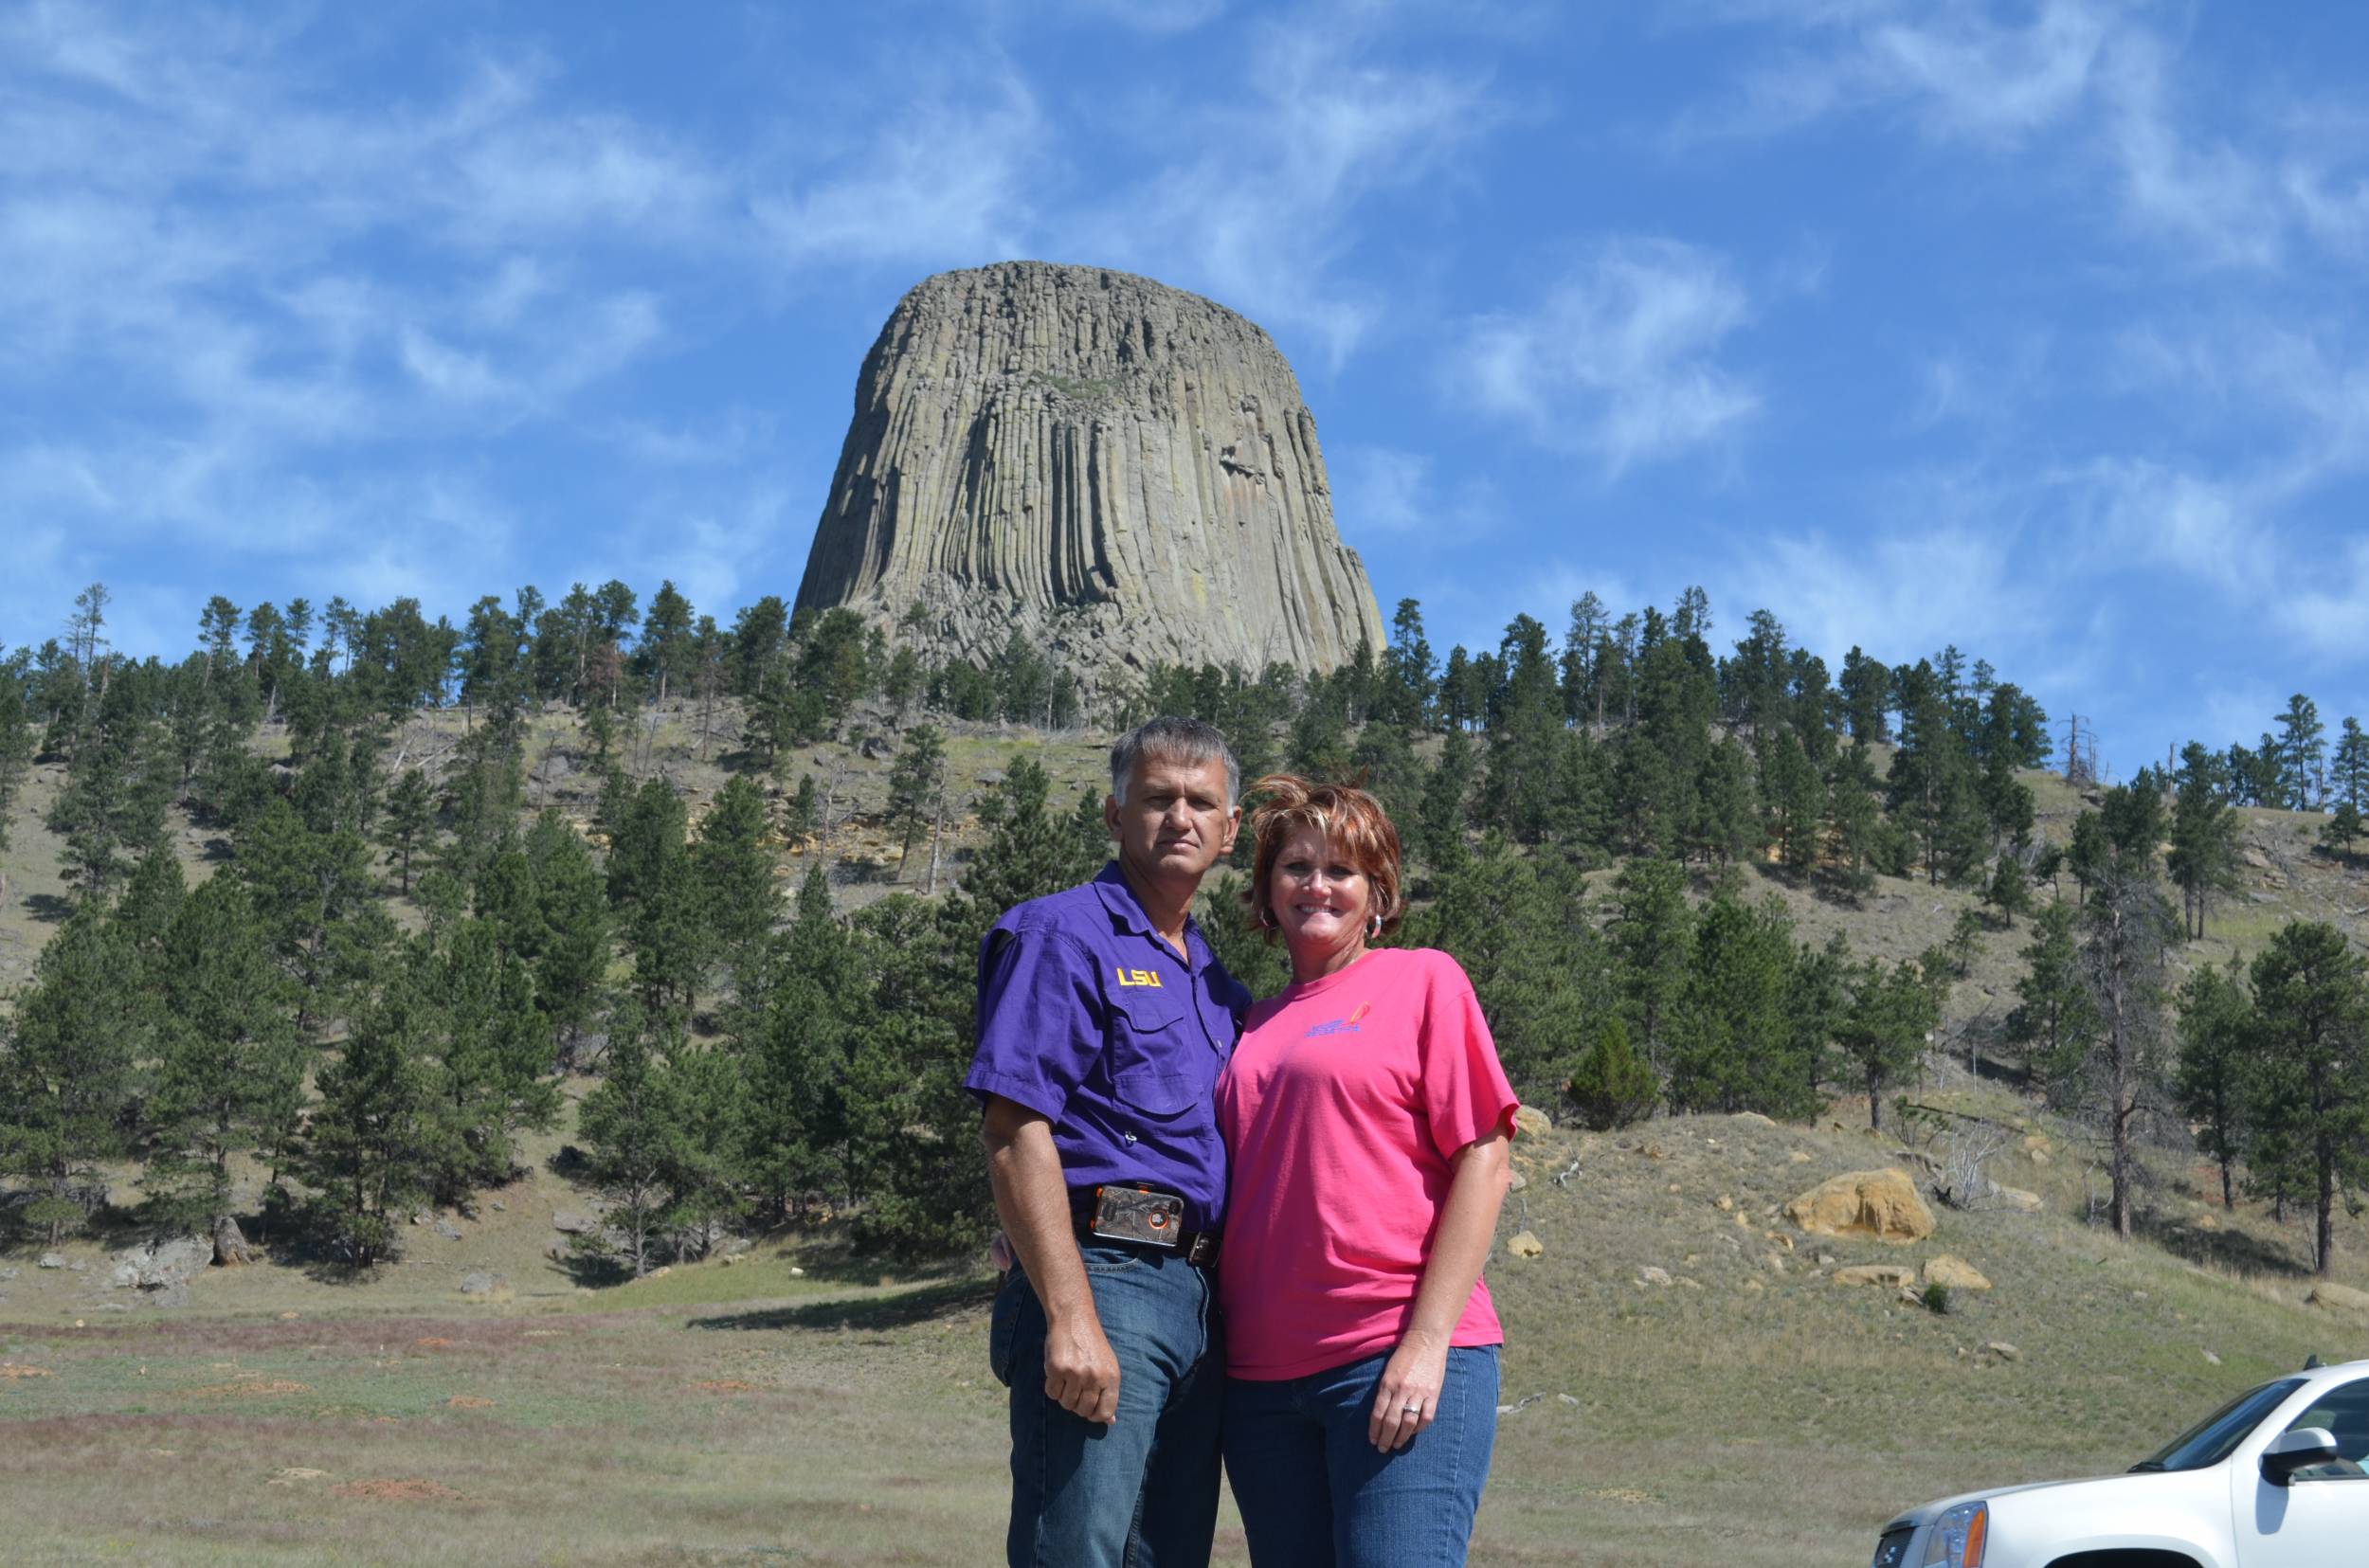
2210, 1440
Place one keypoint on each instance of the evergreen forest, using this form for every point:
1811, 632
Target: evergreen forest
449, 878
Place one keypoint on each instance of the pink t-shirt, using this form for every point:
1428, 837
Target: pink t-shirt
1343, 1103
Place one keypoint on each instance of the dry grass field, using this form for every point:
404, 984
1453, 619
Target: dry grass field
1750, 1410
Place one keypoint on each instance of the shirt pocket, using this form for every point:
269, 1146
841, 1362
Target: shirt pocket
1149, 1072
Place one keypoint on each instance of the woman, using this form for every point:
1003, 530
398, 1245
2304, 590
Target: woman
1368, 1121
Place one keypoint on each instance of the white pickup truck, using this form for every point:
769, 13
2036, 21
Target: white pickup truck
2276, 1478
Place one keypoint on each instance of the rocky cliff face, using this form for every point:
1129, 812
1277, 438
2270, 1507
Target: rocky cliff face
1124, 471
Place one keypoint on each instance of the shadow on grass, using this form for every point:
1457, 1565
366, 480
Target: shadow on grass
48, 908
903, 1310
2232, 1250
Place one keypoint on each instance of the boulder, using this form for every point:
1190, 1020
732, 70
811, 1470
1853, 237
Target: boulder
573, 1223
1530, 1120
1882, 1204
1651, 1275
447, 1228
480, 1282
1893, 1276
230, 1246
168, 1265
2339, 1298
50, 1260
2013, 1200
1523, 1245
1953, 1272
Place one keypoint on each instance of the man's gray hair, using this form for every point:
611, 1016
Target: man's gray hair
1176, 739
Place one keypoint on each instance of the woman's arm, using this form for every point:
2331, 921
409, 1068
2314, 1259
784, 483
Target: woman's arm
1468, 1226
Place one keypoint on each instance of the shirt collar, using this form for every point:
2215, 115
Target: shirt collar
1128, 910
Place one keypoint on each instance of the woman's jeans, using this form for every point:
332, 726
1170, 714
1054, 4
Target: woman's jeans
1315, 1493
1142, 1492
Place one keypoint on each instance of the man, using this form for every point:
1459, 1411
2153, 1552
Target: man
1103, 1020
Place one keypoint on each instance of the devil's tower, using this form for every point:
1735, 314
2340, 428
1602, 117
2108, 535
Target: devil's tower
1123, 471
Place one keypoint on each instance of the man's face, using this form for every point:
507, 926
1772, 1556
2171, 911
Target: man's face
1174, 824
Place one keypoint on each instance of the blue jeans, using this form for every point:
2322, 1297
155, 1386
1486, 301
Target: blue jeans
1315, 1493
1143, 1491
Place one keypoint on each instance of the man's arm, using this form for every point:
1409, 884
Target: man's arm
1081, 1373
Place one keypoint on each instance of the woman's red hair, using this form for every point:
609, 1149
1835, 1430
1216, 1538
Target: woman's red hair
1355, 828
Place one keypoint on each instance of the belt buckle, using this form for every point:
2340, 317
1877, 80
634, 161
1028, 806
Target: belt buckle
1140, 1214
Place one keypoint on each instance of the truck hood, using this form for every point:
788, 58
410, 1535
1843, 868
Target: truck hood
1924, 1513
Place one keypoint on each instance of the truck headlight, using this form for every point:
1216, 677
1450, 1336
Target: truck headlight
1958, 1537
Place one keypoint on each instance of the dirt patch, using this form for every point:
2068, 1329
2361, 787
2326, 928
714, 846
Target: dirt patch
259, 1388
434, 1343
10, 1372
395, 1491
295, 1474
724, 1385
468, 1401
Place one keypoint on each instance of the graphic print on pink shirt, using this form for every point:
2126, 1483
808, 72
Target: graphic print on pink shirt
1344, 1101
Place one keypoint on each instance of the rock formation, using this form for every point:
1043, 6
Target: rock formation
1123, 471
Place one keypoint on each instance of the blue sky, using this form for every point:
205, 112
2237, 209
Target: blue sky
2034, 328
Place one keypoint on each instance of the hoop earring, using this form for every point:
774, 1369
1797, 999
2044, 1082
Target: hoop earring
1373, 928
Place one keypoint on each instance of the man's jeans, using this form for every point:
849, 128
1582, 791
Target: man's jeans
1315, 1493
1142, 1492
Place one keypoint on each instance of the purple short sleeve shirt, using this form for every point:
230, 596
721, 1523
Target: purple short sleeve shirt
1088, 1018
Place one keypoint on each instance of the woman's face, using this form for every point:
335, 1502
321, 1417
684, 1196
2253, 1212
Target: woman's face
1319, 900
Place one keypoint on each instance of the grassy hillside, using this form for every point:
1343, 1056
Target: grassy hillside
1753, 1410
794, 1404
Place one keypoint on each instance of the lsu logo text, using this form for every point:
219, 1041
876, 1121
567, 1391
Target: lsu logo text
1138, 977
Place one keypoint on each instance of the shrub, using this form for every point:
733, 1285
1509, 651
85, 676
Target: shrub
1612, 1086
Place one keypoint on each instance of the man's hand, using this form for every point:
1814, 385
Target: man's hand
1081, 1374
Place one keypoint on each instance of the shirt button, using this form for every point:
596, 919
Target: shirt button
1129, 1136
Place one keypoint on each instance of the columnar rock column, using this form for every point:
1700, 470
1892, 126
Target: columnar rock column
1124, 471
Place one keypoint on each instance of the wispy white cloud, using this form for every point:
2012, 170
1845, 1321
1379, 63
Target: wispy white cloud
1256, 205
1621, 358
1390, 490
945, 181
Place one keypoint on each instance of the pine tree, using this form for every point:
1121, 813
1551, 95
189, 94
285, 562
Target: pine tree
569, 952
1612, 1086
1733, 1046
1030, 851
1651, 938
368, 1154
2302, 754
630, 1125
2311, 1022
481, 1053
2203, 858
1882, 1029
2009, 891
408, 823
66, 1070
17, 755
916, 784
1796, 800
732, 863
2127, 926
230, 1071
1441, 816
2212, 1083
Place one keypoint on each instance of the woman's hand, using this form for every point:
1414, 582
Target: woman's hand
1408, 1400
